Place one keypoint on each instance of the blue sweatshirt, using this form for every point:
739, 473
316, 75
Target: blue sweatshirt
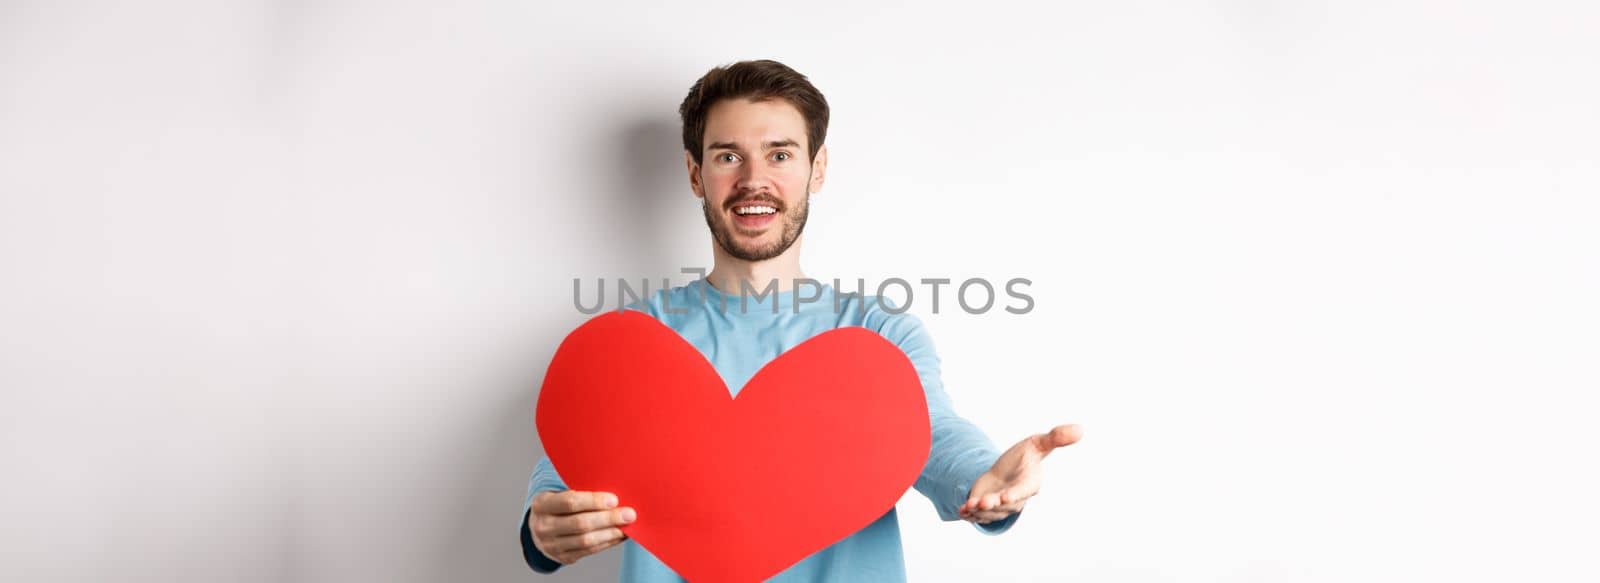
738, 339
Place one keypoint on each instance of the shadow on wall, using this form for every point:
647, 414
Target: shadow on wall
646, 154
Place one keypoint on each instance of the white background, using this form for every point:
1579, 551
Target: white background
280, 279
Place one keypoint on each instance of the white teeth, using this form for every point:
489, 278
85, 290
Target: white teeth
755, 210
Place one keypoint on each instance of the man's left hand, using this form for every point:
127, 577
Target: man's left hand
1014, 478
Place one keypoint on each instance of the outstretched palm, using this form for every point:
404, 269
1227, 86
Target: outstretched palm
1014, 478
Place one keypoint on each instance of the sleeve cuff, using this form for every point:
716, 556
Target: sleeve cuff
530, 553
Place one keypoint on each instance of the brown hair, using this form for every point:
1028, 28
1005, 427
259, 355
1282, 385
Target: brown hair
757, 81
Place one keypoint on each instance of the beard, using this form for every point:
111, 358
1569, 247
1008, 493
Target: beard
793, 224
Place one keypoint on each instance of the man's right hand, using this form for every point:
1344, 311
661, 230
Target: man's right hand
568, 525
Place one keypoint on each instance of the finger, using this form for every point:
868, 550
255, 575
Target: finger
977, 515
571, 501
1065, 435
988, 517
1001, 509
981, 487
588, 521
1014, 496
1009, 507
608, 545
972, 501
1009, 501
578, 545
581, 543
1059, 436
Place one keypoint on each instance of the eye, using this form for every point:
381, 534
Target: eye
727, 157
785, 156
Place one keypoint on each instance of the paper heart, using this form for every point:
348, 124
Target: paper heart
821, 442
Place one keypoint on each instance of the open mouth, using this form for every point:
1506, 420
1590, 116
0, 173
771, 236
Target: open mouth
754, 216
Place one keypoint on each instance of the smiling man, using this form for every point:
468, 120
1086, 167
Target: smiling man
753, 136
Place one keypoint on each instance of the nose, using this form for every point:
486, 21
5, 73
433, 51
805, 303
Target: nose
752, 176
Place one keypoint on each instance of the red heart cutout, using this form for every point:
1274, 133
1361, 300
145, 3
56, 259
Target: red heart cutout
821, 442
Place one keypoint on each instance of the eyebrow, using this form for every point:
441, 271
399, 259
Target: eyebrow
784, 143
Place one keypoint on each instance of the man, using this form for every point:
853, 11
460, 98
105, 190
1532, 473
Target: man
753, 143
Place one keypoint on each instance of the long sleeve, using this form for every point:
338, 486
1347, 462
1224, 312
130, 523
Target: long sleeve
960, 452
544, 478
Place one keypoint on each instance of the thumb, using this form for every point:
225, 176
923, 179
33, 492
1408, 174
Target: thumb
1059, 436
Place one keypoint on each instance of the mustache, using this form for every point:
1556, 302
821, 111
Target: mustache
757, 199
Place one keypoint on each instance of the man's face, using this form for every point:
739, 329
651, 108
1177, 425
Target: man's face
756, 179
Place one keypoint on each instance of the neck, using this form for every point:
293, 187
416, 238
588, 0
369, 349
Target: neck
729, 274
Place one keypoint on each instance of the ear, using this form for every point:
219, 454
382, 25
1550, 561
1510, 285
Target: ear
694, 175
819, 169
